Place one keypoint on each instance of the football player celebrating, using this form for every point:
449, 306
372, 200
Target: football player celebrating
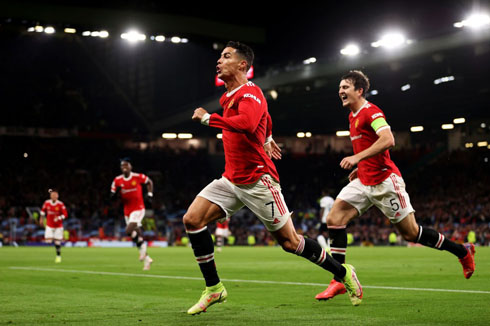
55, 212
130, 187
376, 181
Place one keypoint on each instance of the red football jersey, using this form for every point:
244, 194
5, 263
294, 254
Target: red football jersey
55, 213
223, 225
246, 123
131, 191
376, 169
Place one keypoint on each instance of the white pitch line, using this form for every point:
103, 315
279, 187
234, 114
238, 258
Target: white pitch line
234, 280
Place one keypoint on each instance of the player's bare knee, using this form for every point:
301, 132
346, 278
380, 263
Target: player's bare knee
192, 221
288, 246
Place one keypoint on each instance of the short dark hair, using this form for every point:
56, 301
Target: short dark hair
359, 79
125, 159
244, 50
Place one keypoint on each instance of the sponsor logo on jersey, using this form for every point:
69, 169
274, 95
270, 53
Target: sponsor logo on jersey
376, 115
356, 137
125, 191
231, 103
252, 96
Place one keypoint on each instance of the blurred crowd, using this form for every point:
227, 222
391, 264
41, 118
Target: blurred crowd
449, 191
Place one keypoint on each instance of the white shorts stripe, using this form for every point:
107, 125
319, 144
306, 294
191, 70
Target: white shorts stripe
397, 190
276, 195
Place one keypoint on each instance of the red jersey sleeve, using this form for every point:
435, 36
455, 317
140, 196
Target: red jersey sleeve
44, 209
250, 112
64, 211
114, 186
268, 130
143, 178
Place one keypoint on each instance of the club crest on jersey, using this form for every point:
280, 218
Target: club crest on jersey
133, 183
356, 123
56, 208
231, 103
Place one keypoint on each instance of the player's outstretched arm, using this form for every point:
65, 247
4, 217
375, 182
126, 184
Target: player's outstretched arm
384, 142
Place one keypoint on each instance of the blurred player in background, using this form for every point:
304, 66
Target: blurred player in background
55, 212
222, 232
377, 181
326, 203
250, 179
131, 190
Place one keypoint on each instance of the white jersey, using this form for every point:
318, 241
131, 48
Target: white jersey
326, 204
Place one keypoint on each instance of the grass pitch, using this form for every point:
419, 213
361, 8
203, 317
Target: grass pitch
266, 286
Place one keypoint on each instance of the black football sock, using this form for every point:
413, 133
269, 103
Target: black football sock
203, 247
432, 238
311, 250
58, 249
338, 244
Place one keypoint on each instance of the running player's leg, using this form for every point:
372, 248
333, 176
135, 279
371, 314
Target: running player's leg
411, 231
267, 202
338, 218
198, 216
57, 237
215, 201
394, 202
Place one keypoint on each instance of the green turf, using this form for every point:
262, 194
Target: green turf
30, 297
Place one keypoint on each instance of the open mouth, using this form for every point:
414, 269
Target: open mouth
218, 70
343, 97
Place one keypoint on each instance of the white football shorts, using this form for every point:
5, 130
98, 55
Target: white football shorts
53, 233
263, 198
225, 233
135, 217
389, 196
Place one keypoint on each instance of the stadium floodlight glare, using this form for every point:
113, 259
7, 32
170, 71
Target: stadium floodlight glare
308, 134
175, 39
219, 136
86, 33
309, 61
26, 155
159, 38
39, 29
184, 136
390, 40
405, 87
482, 144
95, 34
474, 21
300, 134
184, 40
49, 30
374, 92
342, 133
350, 50
103, 34
169, 135
273, 94
133, 36
447, 126
483, 125
443, 80
468, 145
416, 128
31, 29
459, 121
70, 30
